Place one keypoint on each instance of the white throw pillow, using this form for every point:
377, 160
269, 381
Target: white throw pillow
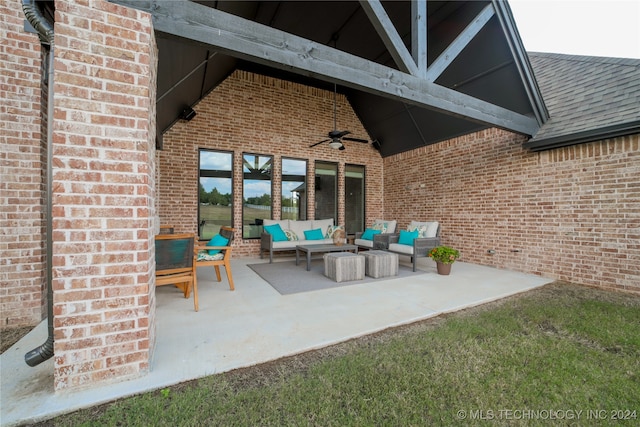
323, 224
425, 229
387, 227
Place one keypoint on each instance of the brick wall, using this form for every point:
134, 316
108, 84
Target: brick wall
260, 115
22, 280
571, 213
103, 177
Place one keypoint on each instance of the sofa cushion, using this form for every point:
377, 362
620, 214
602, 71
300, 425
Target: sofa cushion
315, 234
362, 242
289, 244
276, 232
323, 224
203, 256
369, 233
403, 249
407, 237
425, 229
284, 223
384, 226
299, 227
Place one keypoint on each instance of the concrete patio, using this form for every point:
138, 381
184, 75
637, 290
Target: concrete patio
252, 325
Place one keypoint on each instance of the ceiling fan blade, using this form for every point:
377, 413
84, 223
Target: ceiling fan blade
356, 139
338, 134
318, 143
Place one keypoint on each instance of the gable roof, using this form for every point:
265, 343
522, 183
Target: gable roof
415, 72
588, 98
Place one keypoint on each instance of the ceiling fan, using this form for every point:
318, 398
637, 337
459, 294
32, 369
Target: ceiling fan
335, 137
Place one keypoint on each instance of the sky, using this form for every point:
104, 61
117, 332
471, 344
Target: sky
579, 27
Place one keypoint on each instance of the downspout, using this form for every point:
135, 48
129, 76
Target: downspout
45, 32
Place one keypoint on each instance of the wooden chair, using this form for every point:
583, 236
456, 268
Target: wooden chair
175, 264
221, 259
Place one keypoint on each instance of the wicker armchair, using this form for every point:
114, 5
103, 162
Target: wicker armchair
430, 232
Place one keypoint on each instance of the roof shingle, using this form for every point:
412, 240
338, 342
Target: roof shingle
585, 95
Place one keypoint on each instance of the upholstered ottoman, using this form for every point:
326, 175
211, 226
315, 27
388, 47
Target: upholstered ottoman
380, 264
343, 266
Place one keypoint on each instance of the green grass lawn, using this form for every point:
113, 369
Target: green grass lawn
558, 355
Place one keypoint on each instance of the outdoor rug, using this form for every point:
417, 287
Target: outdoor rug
288, 278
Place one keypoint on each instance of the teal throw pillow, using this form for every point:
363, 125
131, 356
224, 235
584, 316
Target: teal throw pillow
217, 240
369, 233
315, 234
407, 237
276, 232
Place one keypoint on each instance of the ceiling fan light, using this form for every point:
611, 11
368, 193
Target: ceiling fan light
335, 144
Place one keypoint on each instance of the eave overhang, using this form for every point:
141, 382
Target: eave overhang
598, 134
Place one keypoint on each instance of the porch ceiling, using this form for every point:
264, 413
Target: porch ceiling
474, 72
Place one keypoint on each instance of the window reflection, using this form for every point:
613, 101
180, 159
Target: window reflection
215, 192
294, 189
256, 193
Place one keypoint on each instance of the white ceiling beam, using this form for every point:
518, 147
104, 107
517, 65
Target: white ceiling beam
419, 35
389, 35
453, 50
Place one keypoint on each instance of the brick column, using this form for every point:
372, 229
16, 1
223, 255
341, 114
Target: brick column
103, 192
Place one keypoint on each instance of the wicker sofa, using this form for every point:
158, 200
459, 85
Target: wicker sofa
428, 238
295, 234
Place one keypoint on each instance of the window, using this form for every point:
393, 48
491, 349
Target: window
354, 198
215, 193
326, 184
294, 189
256, 193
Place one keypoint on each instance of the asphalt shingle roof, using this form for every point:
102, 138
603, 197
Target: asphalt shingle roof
587, 97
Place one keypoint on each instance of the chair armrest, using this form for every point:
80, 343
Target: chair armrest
206, 248
393, 238
358, 234
202, 246
266, 241
422, 246
382, 240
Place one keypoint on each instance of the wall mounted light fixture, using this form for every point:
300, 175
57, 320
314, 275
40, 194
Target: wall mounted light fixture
188, 114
